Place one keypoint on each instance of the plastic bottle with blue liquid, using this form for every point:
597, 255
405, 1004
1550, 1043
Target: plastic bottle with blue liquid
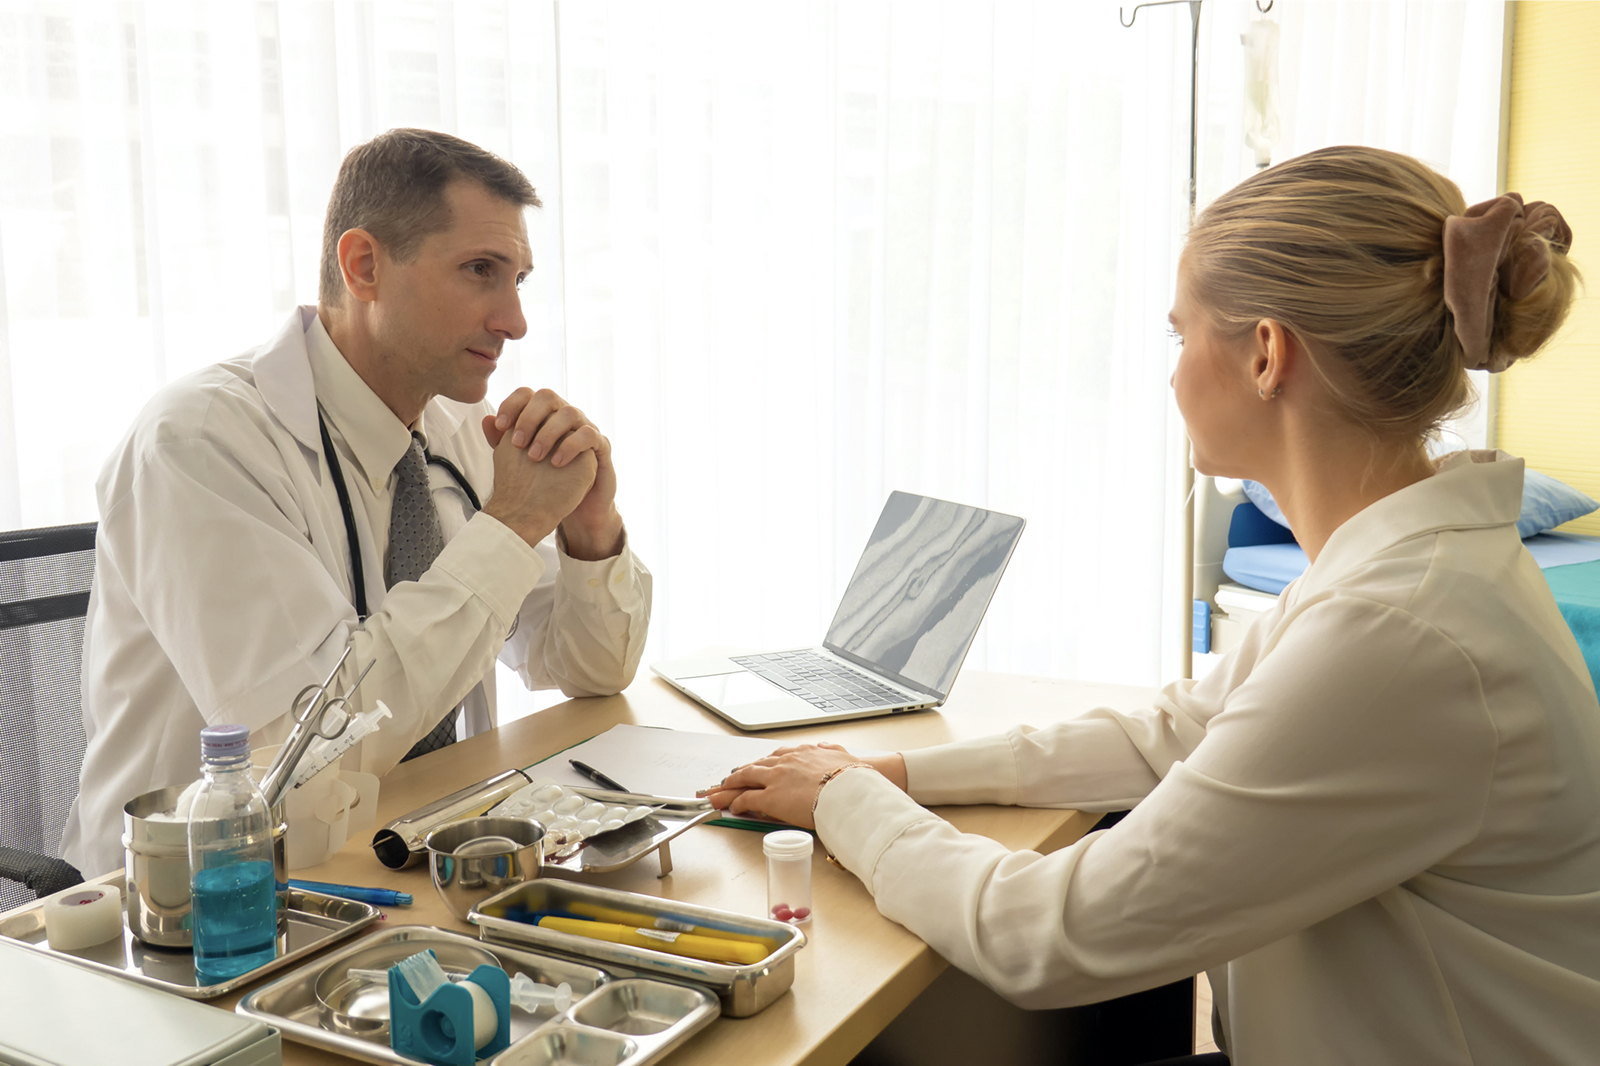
232, 890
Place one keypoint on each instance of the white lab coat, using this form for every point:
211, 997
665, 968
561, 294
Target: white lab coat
1377, 822
223, 586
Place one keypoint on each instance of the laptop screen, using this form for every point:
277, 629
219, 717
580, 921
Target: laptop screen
921, 588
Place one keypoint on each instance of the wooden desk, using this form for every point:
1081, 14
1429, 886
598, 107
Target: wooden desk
858, 969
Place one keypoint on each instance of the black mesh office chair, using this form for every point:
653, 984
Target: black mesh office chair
44, 598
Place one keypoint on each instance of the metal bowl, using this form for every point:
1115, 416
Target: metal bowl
156, 862
360, 1008
475, 858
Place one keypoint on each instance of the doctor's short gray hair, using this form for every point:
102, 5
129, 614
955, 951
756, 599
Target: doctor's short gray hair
393, 187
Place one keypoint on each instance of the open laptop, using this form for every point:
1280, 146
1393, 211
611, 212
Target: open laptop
898, 638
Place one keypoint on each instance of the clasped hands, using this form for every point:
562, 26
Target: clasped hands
785, 784
552, 466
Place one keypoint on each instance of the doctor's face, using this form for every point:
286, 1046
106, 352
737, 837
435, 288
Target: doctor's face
444, 316
1215, 390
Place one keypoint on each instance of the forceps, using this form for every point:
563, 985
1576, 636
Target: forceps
309, 709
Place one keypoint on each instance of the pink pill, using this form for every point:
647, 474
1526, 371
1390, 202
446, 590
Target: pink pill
776, 907
783, 914
801, 913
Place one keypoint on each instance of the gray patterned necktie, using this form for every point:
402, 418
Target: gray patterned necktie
415, 541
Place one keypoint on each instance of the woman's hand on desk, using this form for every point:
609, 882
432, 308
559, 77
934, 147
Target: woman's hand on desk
785, 784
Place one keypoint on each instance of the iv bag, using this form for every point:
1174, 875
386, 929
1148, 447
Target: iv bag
1261, 89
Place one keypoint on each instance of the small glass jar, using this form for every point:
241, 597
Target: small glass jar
788, 854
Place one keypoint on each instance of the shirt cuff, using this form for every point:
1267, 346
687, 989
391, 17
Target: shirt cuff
859, 814
494, 564
597, 580
974, 771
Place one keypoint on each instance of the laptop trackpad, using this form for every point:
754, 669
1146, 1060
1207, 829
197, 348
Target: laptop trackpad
742, 689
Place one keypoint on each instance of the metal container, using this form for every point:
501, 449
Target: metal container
156, 865
476, 858
743, 990
626, 1022
360, 1008
637, 1024
314, 922
401, 842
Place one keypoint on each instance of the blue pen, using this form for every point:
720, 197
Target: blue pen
378, 897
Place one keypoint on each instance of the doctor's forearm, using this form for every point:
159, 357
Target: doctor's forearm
434, 639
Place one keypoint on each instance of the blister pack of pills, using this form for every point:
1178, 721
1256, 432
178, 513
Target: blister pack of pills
568, 818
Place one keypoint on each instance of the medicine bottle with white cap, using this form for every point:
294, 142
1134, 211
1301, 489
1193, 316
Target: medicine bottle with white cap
233, 893
788, 854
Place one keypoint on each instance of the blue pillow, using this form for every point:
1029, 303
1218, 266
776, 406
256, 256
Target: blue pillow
1546, 503
1264, 502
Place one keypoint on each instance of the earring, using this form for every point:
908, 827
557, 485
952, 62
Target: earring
1262, 393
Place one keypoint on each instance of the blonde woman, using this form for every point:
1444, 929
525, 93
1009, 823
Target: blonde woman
1377, 823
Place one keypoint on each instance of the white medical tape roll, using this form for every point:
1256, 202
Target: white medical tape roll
485, 1019
83, 918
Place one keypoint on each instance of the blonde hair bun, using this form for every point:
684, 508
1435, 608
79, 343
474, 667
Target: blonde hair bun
1346, 247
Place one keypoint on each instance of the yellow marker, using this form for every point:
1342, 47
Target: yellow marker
708, 948
646, 921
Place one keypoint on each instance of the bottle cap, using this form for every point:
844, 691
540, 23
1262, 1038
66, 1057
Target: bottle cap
226, 743
787, 843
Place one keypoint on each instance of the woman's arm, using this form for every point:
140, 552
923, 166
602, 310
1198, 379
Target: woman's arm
1104, 760
1357, 754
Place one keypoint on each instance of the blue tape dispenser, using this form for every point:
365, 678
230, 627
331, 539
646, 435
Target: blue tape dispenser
447, 1023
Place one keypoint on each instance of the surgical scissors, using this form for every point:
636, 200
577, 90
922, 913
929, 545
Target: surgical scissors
309, 709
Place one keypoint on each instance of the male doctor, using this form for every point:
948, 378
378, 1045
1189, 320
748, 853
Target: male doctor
346, 486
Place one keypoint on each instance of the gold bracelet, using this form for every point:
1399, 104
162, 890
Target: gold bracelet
829, 776
827, 852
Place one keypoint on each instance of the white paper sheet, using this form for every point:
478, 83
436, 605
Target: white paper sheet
655, 762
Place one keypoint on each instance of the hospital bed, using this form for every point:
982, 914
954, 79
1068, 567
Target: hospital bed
1243, 559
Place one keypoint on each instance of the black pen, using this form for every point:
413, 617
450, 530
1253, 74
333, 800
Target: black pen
596, 776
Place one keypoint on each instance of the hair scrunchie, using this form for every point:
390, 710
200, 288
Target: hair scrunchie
1485, 256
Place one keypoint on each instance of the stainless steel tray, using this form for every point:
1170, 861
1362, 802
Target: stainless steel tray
623, 847
627, 1022
743, 990
314, 922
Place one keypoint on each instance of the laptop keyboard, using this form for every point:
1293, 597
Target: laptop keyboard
824, 683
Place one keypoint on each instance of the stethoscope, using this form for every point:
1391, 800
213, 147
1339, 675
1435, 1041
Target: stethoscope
357, 573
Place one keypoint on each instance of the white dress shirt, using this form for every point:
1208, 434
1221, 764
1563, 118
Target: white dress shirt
223, 580
1377, 821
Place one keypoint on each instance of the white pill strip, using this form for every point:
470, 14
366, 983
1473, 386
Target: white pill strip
567, 816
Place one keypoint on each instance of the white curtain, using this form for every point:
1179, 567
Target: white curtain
1422, 77
793, 256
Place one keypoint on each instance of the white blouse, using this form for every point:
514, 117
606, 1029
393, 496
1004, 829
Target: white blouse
1377, 821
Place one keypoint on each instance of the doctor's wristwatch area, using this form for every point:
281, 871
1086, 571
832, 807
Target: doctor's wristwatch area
561, 971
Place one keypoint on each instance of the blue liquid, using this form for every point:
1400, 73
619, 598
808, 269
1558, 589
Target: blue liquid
235, 920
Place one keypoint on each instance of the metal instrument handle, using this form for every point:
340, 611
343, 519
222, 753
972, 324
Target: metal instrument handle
308, 727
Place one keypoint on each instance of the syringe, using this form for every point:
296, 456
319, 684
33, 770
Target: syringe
323, 752
526, 993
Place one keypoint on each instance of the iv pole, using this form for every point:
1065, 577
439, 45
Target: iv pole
1186, 655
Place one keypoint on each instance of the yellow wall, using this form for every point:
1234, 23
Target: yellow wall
1550, 406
